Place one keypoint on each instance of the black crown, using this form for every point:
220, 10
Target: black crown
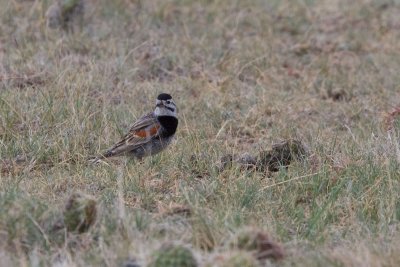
164, 96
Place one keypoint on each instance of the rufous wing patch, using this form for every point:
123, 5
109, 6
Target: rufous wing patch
141, 133
154, 130
144, 133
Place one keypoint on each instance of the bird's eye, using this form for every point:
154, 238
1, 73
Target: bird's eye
168, 102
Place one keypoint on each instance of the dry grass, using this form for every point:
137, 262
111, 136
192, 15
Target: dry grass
245, 74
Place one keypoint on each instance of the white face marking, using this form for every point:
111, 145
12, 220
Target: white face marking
165, 108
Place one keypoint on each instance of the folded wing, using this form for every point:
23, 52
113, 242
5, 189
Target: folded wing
141, 132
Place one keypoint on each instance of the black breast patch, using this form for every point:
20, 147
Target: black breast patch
169, 125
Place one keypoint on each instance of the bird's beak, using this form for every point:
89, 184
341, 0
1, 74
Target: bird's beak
159, 105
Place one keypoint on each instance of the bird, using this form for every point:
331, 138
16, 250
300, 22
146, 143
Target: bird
150, 134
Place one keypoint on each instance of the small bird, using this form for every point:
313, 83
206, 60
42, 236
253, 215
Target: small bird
151, 134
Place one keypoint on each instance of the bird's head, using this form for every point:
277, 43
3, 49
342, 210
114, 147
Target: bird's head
165, 106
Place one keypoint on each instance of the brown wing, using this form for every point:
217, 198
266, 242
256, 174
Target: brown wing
141, 132
143, 122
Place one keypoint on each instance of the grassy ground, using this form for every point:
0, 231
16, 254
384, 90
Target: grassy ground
245, 74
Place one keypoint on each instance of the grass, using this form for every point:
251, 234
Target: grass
244, 74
